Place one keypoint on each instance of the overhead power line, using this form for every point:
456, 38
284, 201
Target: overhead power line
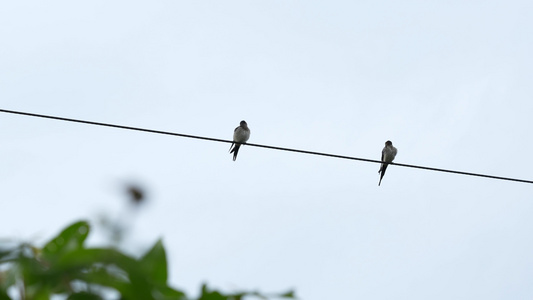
259, 145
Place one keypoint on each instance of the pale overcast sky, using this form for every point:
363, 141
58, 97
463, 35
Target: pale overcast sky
448, 82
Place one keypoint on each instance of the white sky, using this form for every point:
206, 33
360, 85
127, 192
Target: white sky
449, 82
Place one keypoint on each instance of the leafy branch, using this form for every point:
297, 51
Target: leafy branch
65, 266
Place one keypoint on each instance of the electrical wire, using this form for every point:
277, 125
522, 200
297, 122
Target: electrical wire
260, 146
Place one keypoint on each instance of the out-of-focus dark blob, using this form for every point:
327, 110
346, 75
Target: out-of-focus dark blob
136, 194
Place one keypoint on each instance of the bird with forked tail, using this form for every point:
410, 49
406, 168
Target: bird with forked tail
240, 136
387, 156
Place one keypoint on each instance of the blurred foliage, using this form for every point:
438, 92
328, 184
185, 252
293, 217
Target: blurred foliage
66, 267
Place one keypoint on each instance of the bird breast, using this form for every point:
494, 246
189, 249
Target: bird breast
241, 135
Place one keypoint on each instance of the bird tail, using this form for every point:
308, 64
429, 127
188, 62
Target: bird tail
382, 171
235, 150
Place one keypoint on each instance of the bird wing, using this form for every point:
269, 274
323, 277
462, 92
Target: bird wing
394, 152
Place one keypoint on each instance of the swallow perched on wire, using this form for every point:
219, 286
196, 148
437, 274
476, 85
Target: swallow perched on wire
387, 155
240, 136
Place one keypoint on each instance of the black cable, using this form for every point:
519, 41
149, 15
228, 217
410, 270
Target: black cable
261, 146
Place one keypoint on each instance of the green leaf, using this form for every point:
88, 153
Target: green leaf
41, 293
211, 295
84, 296
71, 238
165, 292
154, 263
136, 286
113, 278
289, 294
3, 295
214, 295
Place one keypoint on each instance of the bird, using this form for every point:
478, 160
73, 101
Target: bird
240, 136
387, 156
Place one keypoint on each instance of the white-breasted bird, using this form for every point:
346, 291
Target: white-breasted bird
240, 136
387, 155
